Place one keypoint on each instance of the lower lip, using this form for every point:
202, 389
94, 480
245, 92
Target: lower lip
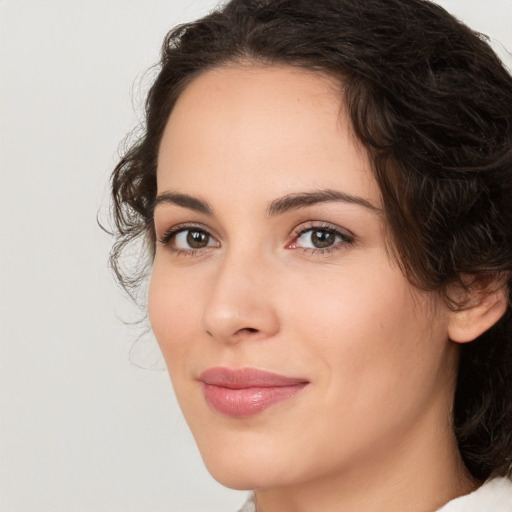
240, 403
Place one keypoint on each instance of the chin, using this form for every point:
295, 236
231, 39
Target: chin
249, 468
243, 477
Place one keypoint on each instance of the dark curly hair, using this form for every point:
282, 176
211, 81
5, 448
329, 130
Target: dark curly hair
432, 104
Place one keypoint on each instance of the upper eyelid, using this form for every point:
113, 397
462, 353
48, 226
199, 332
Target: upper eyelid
326, 227
311, 225
185, 226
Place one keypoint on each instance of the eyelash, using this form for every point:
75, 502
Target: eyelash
171, 233
346, 239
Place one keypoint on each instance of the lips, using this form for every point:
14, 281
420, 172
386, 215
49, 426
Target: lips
246, 391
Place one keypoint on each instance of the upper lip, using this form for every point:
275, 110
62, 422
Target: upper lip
241, 378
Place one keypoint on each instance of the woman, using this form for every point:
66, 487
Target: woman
325, 190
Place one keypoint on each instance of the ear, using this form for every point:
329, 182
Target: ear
484, 305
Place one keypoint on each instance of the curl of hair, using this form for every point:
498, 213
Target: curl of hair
432, 104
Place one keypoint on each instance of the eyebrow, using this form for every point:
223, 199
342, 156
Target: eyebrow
279, 206
304, 199
183, 200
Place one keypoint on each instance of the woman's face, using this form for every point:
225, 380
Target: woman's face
296, 347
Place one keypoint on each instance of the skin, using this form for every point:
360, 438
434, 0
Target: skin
372, 429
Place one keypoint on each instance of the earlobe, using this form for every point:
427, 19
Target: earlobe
481, 312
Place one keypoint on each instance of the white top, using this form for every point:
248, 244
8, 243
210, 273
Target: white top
494, 496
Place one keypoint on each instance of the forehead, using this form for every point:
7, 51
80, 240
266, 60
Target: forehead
247, 124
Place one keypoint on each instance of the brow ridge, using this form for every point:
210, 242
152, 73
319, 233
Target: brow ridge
278, 206
303, 199
183, 200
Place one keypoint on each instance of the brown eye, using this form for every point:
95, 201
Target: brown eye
322, 238
197, 239
190, 239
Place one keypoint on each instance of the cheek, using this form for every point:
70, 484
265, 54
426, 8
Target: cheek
369, 328
350, 303
378, 358
174, 311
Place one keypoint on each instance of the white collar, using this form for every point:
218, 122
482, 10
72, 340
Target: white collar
493, 496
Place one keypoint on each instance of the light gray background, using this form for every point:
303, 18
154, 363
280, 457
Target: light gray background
81, 427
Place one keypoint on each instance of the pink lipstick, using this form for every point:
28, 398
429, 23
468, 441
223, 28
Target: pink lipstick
244, 392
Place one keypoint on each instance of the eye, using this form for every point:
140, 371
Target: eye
320, 238
193, 239
181, 239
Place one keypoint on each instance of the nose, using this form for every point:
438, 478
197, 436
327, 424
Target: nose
240, 304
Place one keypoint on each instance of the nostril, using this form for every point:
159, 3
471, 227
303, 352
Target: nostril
248, 329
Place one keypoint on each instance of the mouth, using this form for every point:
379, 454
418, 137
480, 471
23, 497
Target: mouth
245, 392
